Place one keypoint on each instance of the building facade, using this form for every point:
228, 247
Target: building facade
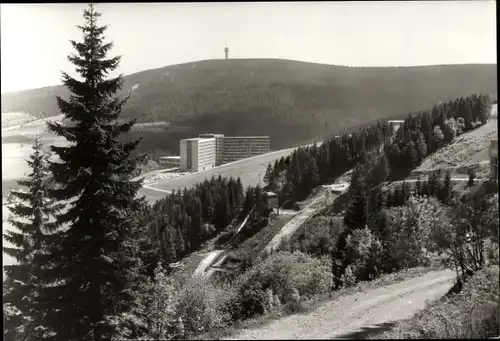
241, 147
219, 146
170, 161
197, 154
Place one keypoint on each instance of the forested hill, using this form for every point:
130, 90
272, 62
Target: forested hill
275, 97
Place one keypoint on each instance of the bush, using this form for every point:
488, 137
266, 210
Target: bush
364, 252
291, 277
202, 306
409, 229
316, 237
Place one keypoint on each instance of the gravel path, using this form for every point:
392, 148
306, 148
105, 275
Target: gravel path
205, 263
292, 226
346, 316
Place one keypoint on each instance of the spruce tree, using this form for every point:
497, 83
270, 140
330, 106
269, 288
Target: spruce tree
96, 261
24, 296
313, 172
472, 175
447, 187
268, 175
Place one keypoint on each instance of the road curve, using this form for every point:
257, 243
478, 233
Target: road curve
344, 317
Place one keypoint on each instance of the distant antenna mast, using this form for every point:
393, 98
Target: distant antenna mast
226, 51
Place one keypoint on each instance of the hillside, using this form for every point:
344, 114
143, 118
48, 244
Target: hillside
273, 97
470, 150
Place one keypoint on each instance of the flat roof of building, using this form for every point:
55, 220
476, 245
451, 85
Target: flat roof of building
246, 137
201, 139
210, 134
170, 157
270, 194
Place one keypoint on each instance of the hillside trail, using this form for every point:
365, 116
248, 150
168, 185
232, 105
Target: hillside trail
356, 315
294, 224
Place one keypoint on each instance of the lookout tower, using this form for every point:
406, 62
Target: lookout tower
226, 51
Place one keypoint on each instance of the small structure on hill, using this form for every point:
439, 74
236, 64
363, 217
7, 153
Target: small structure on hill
338, 188
396, 124
494, 159
271, 202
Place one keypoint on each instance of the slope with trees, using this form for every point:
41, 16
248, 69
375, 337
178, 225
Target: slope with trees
272, 97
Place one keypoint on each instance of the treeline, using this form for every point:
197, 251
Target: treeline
181, 222
423, 133
294, 177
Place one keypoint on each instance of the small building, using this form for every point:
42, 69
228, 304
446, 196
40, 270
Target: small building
396, 124
271, 201
493, 151
170, 161
338, 188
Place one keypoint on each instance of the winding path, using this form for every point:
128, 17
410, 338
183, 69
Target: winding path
358, 314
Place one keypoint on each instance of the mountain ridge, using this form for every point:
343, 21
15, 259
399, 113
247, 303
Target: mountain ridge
276, 96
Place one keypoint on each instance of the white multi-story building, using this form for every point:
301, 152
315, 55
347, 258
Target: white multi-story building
219, 146
197, 154
241, 147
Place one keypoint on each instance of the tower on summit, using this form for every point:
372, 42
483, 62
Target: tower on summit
226, 51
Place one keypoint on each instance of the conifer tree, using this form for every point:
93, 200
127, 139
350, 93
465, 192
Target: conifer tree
268, 175
472, 175
96, 261
313, 172
24, 296
447, 187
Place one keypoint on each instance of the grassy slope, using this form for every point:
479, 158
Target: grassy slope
274, 97
469, 149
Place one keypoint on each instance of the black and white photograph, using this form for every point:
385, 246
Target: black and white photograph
249, 170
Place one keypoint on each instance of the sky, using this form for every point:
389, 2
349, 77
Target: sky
35, 37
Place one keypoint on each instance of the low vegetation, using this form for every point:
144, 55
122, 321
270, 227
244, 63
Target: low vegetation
470, 314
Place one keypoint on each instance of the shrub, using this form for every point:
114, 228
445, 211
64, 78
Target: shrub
364, 253
202, 306
317, 237
292, 277
464, 239
409, 230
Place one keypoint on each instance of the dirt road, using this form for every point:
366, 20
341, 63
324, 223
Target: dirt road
205, 263
350, 316
292, 226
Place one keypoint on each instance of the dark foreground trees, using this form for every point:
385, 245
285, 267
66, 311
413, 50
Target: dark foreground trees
30, 234
96, 261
